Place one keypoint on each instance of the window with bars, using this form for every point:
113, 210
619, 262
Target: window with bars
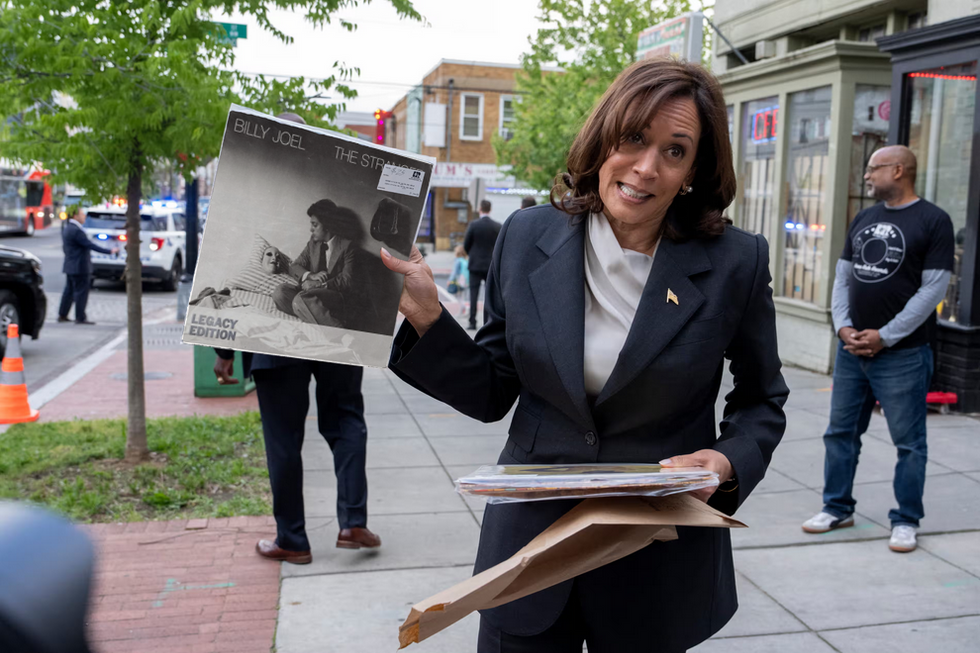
806, 175
760, 124
471, 117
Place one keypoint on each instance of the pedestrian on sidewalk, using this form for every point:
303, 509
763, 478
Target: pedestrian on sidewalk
459, 278
894, 270
528, 201
77, 266
480, 238
610, 312
283, 388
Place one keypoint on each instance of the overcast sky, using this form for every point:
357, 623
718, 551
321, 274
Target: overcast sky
393, 54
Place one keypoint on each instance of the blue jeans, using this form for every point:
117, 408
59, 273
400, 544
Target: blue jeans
899, 379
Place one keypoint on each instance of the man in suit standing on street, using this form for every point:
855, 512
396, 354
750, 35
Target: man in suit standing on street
77, 267
480, 238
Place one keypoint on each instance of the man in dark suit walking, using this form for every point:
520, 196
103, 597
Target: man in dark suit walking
480, 238
283, 388
77, 267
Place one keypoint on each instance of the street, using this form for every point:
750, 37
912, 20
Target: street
61, 345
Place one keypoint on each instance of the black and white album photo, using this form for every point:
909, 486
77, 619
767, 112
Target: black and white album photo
290, 263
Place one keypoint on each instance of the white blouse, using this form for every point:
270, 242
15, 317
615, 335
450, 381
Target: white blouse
614, 281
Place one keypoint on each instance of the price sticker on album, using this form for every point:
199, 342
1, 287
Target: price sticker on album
404, 181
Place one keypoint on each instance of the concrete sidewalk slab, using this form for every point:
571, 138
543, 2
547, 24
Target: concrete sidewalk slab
803, 461
411, 541
845, 585
960, 549
347, 613
955, 447
474, 450
950, 503
382, 453
776, 481
775, 520
793, 643
802, 425
758, 614
391, 492
399, 424
449, 422
958, 635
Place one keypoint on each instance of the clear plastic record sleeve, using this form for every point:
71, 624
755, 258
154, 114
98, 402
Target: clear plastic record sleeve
290, 263
512, 483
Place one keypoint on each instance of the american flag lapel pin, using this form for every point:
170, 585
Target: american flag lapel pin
671, 297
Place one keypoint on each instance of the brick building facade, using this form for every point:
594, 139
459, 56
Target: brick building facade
454, 115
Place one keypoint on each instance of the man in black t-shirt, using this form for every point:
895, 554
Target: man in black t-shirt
893, 272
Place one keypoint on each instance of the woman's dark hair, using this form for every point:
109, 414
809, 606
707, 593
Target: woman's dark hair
338, 220
627, 108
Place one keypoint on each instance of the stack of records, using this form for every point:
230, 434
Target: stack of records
511, 483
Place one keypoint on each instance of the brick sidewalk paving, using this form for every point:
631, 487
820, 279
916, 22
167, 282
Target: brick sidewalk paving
183, 587
99, 395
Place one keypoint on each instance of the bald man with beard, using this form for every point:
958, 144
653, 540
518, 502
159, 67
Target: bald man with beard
894, 270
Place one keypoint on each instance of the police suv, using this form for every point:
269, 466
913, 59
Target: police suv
162, 241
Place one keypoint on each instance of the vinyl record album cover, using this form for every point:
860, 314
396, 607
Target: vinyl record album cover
290, 264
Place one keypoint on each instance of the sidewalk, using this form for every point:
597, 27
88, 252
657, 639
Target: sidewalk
197, 587
843, 591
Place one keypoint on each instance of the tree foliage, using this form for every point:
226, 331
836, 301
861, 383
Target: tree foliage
593, 41
93, 88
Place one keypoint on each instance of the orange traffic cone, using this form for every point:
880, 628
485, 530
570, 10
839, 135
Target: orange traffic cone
13, 388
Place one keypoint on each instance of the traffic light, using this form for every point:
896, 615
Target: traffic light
380, 115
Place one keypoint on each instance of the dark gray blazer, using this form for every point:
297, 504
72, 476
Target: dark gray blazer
478, 242
659, 401
78, 250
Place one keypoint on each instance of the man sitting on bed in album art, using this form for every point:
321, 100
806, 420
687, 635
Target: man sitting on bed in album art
326, 269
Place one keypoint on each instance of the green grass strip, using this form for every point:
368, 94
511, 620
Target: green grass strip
199, 467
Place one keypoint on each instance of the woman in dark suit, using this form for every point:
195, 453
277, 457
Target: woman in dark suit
608, 317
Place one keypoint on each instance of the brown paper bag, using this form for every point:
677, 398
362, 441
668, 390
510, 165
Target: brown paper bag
590, 535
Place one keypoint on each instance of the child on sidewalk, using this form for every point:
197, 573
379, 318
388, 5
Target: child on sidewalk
459, 278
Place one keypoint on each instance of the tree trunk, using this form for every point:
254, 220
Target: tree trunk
136, 446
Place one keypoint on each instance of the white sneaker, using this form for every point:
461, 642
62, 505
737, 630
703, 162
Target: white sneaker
824, 521
903, 539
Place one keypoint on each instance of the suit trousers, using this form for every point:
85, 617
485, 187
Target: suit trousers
284, 400
476, 279
572, 628
76, 290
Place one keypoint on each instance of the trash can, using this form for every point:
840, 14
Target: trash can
206, 383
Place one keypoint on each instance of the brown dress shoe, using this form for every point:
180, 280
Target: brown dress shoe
355, 538
269, 549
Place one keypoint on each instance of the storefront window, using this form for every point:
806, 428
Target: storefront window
806, 174
760, 122
731, 122
940, 134
869, 132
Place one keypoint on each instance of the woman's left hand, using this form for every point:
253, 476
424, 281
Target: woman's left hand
713, 461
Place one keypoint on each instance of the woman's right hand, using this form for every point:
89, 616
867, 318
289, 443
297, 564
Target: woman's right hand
419, 302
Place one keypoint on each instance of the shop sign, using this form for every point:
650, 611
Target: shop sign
461, 175
764, 123
679, 37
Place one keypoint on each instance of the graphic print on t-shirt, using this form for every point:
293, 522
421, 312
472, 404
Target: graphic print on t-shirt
878, 252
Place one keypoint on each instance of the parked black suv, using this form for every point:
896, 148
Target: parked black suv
22, 299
